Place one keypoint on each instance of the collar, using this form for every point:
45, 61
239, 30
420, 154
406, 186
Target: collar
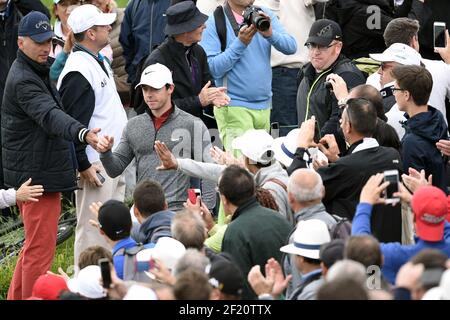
362, 144
247, 205
79, 47
166, 114
311, 273
309, 211
179, 46
7, 11
41, 69
123, 243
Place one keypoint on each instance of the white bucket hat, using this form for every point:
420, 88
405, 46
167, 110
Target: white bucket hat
308, 237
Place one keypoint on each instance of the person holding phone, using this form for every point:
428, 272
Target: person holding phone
429, 206
89, 94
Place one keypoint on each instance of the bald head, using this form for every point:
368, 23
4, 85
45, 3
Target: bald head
370, 93
305, 185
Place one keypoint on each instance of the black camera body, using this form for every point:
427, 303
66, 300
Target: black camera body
252, 15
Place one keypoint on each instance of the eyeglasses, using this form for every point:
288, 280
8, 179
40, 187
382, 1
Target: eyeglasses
319, 48
398, 89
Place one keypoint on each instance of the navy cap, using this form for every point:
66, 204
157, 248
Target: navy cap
36, 26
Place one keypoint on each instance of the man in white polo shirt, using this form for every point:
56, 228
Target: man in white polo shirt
89, 94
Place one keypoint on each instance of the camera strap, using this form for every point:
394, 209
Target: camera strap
230, 16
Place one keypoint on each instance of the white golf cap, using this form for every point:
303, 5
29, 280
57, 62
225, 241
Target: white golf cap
87, 16
308, 237
400, 53
156, 76
257, 145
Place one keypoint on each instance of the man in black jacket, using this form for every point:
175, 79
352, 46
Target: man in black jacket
344, 177
314, 98
11, 11
425, 125
187, 60
37, 142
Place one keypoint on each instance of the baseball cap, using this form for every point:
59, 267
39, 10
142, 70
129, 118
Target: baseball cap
429, 205
255, 145
138, 292
87, 283
87, 16
226, 276
308, 237
114, 219
48, 287
331, 252
35, 25
156, 76
400, 53
443, 291
323, 32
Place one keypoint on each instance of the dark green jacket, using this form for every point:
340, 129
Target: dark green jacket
254, 235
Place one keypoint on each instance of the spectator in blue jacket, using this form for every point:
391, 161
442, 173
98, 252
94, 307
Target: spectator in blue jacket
429, 205
150, 209
244, 68
114, 223
142, 30
425, 125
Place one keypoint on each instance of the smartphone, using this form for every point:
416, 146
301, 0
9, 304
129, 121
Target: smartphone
275, 129
439, 34
193, 194
145, 265
100, 177
392, 177
106, 272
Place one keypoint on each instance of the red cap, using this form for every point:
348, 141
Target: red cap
49, 286
430, 209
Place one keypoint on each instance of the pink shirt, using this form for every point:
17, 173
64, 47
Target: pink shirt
238, 17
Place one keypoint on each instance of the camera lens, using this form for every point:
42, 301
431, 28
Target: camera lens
262, 23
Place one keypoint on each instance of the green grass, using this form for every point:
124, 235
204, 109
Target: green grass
64, 252
63, 258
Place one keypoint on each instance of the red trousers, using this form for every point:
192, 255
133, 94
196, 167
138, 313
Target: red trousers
40, 220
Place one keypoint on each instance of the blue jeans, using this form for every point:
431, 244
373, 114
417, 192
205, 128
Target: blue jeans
284, 98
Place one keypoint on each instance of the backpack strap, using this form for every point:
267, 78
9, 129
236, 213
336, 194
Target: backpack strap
278, 182
303, 285
221, 27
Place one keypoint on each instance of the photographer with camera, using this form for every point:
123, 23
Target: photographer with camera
243, 65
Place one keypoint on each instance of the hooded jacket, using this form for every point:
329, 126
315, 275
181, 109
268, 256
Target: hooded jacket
419, 145
155, 226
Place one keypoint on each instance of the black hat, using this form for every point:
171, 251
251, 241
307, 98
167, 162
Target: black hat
115, 220
331, 252
36, 26
183, 17
324, 31
226, 276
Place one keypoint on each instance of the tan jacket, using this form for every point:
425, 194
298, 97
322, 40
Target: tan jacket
118, 63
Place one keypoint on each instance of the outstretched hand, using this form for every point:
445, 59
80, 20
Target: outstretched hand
168, 160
